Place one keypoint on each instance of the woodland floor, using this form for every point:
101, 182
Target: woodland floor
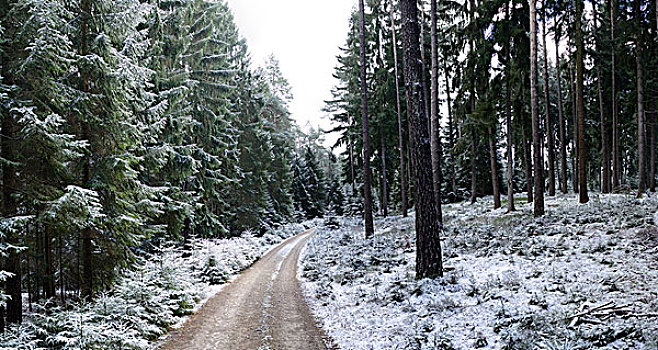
582, 277
261, 309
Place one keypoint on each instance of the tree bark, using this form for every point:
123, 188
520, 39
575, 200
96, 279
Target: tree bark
451, 134
403, 171
435, 127
508, 113
527, 162
641, 131
616, 161
474, 183
560, 107
536, 131
574, 108
652, 157
428, 226
582, 147
605, 153
384, 179
367, 192
549, 123
493, 160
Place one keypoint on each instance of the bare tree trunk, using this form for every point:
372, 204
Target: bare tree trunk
508, 113
384, 179
560, 107
50, 271
403, 171
536, 130
423, 61
549, 124
474, 143
582, 147
367, 193
451, 134
435, 127
527, 163
641, 131
616, 161
652, 141
574, 105
605, 153
428, 226
494, 167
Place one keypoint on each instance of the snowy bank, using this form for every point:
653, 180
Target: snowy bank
156, 295
582, 277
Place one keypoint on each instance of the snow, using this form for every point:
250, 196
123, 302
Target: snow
156, 295
511, 281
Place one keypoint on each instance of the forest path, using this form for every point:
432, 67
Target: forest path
263, 308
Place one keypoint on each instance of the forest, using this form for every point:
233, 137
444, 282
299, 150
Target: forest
145, 159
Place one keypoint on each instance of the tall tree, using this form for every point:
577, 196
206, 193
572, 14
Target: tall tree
508, 114
536, 130
616, 161
367, 192
403, 171
580, 104
641, 128
605, 155
428, 226
560, 109
435, 129
549, 123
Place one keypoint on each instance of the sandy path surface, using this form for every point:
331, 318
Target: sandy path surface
262, 309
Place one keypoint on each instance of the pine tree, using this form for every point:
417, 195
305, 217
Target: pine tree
428, 249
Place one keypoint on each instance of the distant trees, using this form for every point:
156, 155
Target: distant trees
488, 88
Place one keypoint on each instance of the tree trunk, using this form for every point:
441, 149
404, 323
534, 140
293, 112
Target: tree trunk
641, 131
494, 167
367, 192
86, 286
536, 131
403, 171
423, 82
428, 226
474, 183
652, 157
527, 163
560, 107
14, 306
616, 161
50, 271
549, 124
508, 113
582, 147
451, 134
435, 128
574, 108
384, 179
605, 153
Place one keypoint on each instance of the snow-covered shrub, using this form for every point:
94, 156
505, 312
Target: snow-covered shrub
149, 299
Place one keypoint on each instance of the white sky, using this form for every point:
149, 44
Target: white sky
305, 35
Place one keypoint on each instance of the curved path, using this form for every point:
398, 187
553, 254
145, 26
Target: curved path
261, 309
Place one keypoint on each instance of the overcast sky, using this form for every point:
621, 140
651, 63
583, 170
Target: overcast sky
305, 36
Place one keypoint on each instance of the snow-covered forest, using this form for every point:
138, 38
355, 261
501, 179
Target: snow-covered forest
493, 182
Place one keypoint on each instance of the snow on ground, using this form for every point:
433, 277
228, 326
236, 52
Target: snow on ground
512, 281
156, 295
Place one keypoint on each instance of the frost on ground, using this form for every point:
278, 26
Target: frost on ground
155, 296
582, 277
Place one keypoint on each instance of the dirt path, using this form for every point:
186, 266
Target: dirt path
262, 309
